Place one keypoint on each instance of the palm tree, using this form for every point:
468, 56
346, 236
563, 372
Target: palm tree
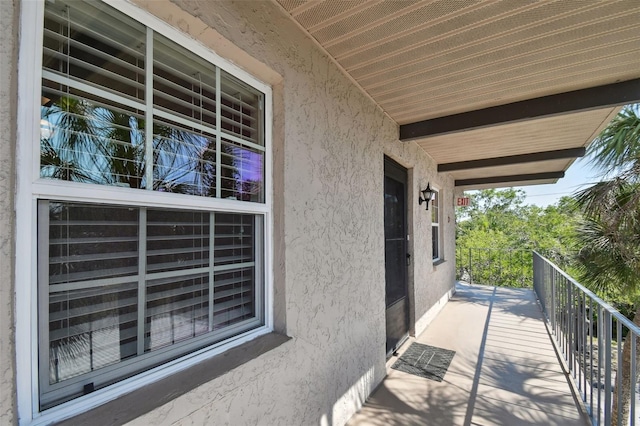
610, 231
96, 144
67, 133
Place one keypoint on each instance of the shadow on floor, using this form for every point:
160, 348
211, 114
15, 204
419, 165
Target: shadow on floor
505, 371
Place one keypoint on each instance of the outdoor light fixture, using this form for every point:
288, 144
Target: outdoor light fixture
427, 193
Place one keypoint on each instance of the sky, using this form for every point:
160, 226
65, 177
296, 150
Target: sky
579, 176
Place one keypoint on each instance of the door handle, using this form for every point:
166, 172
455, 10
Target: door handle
408, 259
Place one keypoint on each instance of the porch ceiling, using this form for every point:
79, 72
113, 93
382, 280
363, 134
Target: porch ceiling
446, 72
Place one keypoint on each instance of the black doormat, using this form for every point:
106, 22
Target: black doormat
425, 361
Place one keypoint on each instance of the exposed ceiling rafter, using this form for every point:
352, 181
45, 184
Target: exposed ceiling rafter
513, 159
609, 95
512, 178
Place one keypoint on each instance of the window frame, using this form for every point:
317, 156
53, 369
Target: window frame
145, 360
436, 204
31, 188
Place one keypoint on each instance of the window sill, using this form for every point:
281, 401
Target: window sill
438, 262
143, 400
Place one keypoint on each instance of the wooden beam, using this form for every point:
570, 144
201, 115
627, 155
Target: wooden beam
512, 178
513, 159
607, 96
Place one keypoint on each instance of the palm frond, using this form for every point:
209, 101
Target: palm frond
610, 232
618, 145
603, 261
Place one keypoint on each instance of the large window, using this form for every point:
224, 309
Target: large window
435, 226
129, 282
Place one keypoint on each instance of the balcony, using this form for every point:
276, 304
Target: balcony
522, 357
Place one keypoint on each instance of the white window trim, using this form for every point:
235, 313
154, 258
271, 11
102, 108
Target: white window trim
437, 193
29, 187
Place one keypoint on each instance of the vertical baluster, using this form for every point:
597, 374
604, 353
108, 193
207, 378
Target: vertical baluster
470, 274
619, 370
600, 349
521, 270
500, 265
607, 367
563, 327
634, 377
581, 360
553, 305
591, 355
565, 318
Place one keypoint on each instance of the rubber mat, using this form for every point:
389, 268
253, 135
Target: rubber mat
425, 361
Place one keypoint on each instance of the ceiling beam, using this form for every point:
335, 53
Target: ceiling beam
606, 96
513, 159
512, 178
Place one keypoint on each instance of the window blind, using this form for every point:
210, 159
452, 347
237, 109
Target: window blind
95, 285
94, 110
236, 263
84, 43
93, 261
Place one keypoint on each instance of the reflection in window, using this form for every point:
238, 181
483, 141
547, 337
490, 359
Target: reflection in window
90, 139
185, 160
242, 171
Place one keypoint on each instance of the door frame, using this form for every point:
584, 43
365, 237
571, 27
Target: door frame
397, 171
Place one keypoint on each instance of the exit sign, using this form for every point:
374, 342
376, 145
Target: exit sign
462, 201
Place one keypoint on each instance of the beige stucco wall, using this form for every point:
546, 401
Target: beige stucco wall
329, 144
8, 90
334, 142
333, 139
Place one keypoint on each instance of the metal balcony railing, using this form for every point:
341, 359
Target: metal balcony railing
497, 267
590, 334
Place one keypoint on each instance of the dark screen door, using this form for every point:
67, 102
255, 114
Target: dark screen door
395, 237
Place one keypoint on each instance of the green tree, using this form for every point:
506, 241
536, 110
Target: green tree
609, 234
498, 232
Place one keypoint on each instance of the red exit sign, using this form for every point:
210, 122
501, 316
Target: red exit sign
462, 201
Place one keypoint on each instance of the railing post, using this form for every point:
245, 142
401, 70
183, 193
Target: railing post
582, 360
601, 339
500, 265
633, 378
553, 303
618, 385
570, 331
565, 318
608, 331
591, 354
470, 274
521, 269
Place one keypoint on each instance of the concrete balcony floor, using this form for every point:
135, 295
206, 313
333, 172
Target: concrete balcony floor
505, 370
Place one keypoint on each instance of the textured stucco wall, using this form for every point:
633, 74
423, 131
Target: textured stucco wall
330, 186
8, 91
331, 195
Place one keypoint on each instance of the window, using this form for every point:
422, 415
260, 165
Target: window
152, 208
435, 225
127, 107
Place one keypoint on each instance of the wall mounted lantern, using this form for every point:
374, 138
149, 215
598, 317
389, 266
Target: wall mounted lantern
427, 193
